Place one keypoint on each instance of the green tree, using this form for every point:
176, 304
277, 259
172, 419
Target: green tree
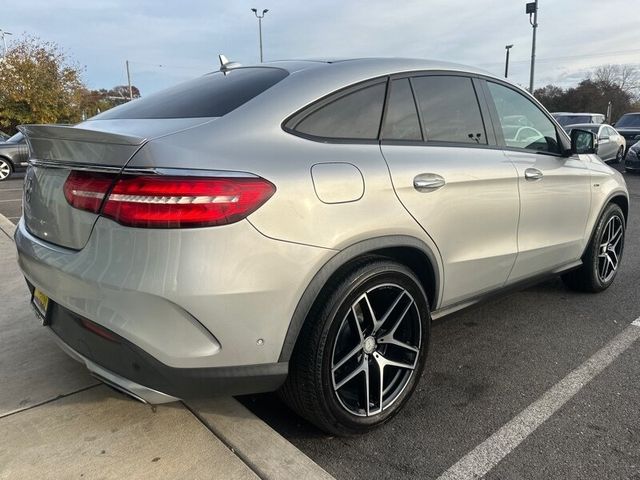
39, 84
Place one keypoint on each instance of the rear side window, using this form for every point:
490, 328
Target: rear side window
401, 121
212, 95
449, 109
355, 115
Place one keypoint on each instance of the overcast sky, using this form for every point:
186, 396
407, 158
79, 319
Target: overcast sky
167, 42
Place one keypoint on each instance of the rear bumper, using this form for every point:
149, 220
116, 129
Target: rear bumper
219, 297
126, 367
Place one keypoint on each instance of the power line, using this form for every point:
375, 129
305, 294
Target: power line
164, 65
570, 57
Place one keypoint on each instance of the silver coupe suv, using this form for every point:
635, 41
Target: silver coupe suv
297, 225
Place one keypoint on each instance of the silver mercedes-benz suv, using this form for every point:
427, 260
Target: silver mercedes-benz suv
297, 225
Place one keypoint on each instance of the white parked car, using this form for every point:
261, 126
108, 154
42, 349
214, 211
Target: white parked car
611, 145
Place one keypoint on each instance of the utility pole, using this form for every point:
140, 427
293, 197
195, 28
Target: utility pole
506, 62
259, 17
129, 81
532, 10
4, 41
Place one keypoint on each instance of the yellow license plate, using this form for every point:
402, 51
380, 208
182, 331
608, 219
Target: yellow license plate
40, 303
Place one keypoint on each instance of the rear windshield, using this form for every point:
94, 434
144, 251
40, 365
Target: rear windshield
573, 119
212, 95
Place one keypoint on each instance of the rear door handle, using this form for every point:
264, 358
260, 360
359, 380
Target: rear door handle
533, 174
428, 182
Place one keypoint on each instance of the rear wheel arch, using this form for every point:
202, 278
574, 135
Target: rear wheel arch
407, 250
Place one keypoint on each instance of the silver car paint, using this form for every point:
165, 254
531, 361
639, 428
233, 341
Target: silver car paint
190, 298
223, 278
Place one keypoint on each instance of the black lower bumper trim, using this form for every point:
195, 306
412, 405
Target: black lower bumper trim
118, 355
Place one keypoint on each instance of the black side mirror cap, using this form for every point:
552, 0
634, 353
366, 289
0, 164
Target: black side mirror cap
583, 141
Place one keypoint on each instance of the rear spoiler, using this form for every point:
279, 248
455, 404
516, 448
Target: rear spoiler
68, 144
69, 132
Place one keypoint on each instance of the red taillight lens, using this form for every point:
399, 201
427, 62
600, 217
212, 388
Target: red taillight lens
172, 202
86, 190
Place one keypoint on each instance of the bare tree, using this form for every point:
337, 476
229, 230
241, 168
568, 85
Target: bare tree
626, 77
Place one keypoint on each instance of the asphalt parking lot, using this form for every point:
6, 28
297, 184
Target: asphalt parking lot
11, 197
515, 357
490, 363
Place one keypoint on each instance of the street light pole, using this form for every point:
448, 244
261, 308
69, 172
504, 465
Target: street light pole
506, 62
259, 17
532, 10
4, 42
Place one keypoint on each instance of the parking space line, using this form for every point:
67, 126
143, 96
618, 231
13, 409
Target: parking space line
479, 461
11, 200
10, 189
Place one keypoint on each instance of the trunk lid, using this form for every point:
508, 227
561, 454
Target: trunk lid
56, 150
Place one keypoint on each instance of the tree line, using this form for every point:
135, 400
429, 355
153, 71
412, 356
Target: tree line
615, 84
40, 84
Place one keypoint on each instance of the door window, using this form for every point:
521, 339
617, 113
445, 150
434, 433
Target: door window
538, 134
401, 121
449, 109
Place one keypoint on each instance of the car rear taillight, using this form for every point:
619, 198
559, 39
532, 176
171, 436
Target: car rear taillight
158, 201
86, 190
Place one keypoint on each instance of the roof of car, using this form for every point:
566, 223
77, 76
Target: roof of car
576, 113
389, 65
588, 125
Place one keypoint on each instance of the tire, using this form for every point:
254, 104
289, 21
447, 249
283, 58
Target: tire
318, 387
604, 249
6, 169
619, 155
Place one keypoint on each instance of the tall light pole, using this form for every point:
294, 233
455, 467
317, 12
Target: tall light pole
259, 17
532, 10
4, 41
506, 61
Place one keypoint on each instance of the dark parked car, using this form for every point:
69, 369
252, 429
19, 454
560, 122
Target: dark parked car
629, 127
14, 154
632, 160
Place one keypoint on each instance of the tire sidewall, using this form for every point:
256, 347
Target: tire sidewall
338, 305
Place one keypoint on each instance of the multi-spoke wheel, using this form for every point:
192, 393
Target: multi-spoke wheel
610, 248
376, 349
5, 169
602, 257
362, 349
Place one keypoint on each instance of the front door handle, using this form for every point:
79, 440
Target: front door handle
533, 174
428, 182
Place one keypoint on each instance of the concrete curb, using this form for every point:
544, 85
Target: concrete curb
265, 451
262, 449
7, 226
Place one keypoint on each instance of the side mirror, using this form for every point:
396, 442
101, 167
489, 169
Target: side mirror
583, 141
